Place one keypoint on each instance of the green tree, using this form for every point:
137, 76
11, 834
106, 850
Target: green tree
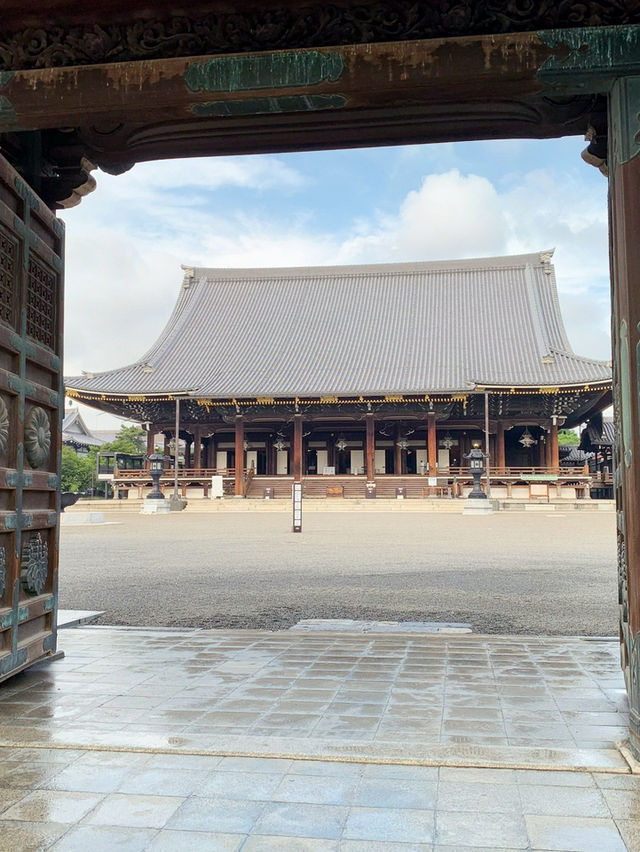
77, 471
567, 437
130, 439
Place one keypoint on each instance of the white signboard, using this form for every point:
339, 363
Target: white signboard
296, 494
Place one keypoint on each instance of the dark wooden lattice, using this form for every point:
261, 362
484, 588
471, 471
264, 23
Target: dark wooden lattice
41, 307
8, 259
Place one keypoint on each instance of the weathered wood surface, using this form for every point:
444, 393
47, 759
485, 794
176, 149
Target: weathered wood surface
31, 406
312, 98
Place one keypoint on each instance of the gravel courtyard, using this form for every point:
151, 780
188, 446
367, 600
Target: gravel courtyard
532, 573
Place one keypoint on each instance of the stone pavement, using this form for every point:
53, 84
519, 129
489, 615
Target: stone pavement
317, 740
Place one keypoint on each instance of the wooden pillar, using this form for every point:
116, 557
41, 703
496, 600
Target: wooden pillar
500, 450
624, 211
197, 447
553, 458
397, 452
167, 449
150, 436
432, 445
239, 472
297, 447
370, 449
187, 453
331, 452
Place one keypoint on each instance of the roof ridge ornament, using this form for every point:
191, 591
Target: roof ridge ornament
189, 276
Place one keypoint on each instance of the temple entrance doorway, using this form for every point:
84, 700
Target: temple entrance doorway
511, 91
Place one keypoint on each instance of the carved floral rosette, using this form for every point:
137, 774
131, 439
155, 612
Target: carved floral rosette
35, 565
3, 570
4, 426
37, 437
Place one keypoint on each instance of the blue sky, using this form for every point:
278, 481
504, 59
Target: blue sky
127, 240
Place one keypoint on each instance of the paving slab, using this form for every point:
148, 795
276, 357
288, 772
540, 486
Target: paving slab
316, 740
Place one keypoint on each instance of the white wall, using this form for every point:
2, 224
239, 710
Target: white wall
357, 461
282, 462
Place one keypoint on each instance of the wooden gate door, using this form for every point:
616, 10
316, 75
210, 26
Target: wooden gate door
31, 405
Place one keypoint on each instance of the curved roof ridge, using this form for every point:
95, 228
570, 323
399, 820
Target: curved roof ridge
539, 258
569, 353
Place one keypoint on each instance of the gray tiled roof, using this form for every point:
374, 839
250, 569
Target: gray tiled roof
599, 432
74, 430
341, 330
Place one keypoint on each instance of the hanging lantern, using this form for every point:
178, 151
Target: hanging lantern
341, 444
245, 445
402, 443
279, 444
447, 442
527, 440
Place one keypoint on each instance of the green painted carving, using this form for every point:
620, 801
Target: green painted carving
17, 478
279, 70
609, 50
265, 106
624, 120
7, 112
625, 391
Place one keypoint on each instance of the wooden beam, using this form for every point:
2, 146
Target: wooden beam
432, 445
441, 89
239, 447
370, 449
297, 447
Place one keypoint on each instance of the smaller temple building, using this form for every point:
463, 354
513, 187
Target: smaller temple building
362, 380
76, 434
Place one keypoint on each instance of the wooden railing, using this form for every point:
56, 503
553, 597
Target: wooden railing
191, 473
202, 473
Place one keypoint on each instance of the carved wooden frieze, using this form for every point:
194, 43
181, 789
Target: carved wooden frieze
314, 25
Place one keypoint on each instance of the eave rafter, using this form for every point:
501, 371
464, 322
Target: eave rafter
543, 402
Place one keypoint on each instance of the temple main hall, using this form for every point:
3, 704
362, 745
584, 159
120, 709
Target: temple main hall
362, 381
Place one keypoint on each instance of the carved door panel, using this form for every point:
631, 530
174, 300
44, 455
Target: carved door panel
31, 405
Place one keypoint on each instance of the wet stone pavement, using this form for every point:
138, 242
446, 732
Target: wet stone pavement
206, 740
